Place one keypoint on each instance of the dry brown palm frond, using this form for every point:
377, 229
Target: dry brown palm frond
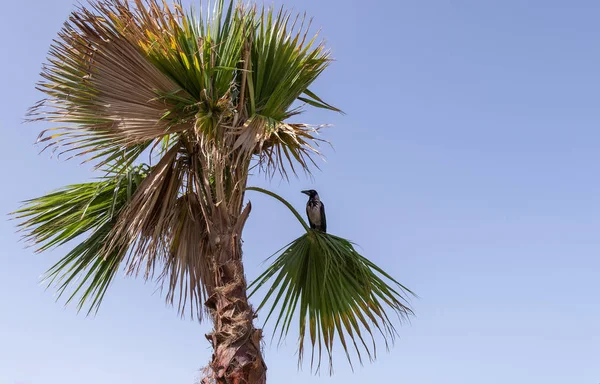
278, 145
187, 271
164, 226
102, 90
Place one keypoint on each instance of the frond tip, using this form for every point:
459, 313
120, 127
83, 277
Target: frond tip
339, 295
76, 210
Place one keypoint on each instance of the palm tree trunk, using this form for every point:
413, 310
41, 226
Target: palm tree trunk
237, 357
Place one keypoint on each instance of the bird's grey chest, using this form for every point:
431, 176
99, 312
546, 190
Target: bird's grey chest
313, 211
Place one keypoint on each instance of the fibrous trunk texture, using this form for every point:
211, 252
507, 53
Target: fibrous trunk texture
237, 357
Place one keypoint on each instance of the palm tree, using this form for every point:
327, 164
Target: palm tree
208, 100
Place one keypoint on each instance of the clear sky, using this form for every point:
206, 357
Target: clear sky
467, 166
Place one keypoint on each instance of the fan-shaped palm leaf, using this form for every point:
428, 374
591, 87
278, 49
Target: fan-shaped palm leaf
337, 294
103, 91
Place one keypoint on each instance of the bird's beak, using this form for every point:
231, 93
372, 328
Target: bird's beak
306, 192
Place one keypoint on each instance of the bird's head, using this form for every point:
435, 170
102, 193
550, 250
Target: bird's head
311, 193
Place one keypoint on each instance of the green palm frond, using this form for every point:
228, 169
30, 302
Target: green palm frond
336, 294
62, 216
285, 61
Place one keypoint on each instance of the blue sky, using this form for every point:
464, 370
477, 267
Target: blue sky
467, 166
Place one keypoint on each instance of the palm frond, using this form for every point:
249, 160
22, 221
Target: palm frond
103, 93
337, 294
315, 101
284, 62
62, 216
164, 226
279, 147
187, 266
